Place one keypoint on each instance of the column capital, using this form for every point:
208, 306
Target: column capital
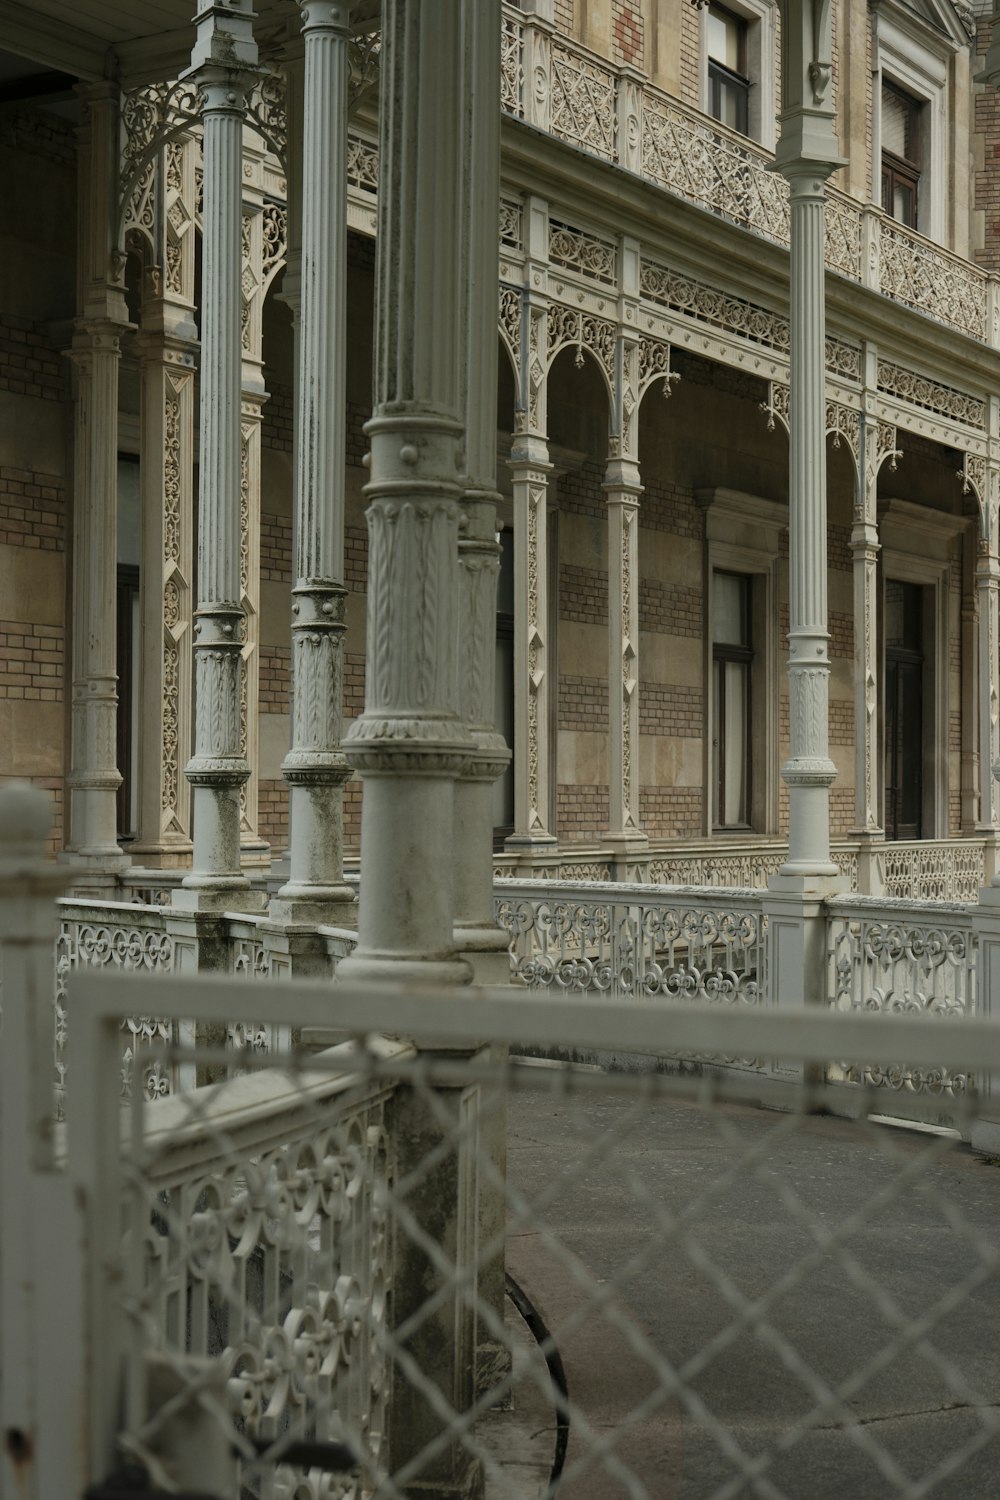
622, 483
224, 42
322, 15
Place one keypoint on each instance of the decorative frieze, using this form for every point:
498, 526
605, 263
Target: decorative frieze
586, 253
932, 395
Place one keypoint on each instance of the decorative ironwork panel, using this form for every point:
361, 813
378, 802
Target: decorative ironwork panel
933, 281
884, 955
577, 250
917, 390
934, 869
512, 64
582, 102
718, 171
115, 936
362, 164
710, 305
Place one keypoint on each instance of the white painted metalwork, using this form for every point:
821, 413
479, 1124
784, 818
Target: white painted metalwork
682, 943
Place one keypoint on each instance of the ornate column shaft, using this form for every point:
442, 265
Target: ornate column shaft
622, 488
315, 766
986, 474
530, 471
864, 550
168, 351
94, 777
476, 932
222, 61
806, 156
409, 743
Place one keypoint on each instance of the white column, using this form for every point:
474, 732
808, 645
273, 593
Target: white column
530, 470
987, 474
94, 777
476, 932
865, 549
806, 156
222, 62
622, 489
409, 743
315, 766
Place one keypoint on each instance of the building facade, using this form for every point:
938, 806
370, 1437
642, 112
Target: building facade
644, 339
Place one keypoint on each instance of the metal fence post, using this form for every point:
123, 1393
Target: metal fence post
42, 1377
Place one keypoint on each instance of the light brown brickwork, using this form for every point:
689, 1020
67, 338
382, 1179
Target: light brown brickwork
669, 812
275, 548
31, 661
583, 702
670, 710
841, 628
32, 510
354, 684
356, 558
583, 595
671, 608
582, 812
986, 184
669, 507
275, 688
841, 722
272, 813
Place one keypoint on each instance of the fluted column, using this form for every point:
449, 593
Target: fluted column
94, 777
809, 771
806, 156
223, 59
622, 489
476, 932
409, 743
315, 766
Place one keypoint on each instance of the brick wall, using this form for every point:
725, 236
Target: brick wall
669, 710
272, 813
354, 684
841, 812
671, 608
582, 812
357, 443
841, 628
28, 367
583, 703
277, 420
841, 722
667, 812
628, 33
580, 491
32, 660
690, 56
275, 548
32, 510
838, 548
986, 185
275, 679
583, 595
564, 17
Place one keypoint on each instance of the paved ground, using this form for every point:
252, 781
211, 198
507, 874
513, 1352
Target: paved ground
907, 1256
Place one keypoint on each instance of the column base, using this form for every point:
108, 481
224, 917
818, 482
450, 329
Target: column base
162, 856
406, 969
255, 853
200, 893
486, 950
94, 875
629, 855
315, 906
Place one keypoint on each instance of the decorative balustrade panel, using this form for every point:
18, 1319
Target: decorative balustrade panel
113, 936
682, 944
934, 869
889, 956
582, 94
924, 276
718, 171
267, 1251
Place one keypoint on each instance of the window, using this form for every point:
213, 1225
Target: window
732, 664
728, 81
128, 621
901, 150
905, 672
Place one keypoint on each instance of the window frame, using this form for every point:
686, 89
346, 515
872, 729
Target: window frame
726, 654
903, 170
758, 16
721, 76
743, 535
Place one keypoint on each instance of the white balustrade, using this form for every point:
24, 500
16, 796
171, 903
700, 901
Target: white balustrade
634, 940
894, 957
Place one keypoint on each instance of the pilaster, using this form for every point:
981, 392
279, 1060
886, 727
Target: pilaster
982, 477
409, 743
315, 766
94, 777
622, 489
223, 62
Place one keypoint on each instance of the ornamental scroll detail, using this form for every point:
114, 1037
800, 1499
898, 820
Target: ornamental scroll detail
151, 118
568, 326
918, 390
588, 254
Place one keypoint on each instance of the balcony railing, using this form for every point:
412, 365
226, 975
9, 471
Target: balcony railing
560, 87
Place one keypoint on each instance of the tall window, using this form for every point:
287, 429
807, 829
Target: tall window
904, 709
732, 663
728, 80
900, 154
